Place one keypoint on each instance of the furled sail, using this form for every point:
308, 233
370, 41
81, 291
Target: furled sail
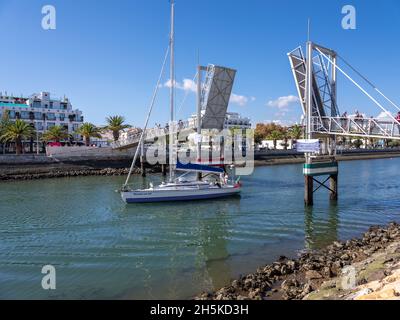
193, 167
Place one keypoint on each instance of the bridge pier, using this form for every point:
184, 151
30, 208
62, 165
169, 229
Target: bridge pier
308, 191
325, 167
333, 183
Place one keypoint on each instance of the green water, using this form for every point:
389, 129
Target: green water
103, 248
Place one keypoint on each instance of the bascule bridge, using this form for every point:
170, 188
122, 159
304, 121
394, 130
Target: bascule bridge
315, 76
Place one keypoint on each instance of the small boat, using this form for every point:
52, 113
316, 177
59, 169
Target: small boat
215, 182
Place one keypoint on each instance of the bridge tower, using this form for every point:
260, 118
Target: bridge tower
316, 81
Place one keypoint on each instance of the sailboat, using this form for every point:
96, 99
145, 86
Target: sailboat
215, 181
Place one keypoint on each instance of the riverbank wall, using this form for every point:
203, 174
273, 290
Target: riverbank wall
367, 268
100, 162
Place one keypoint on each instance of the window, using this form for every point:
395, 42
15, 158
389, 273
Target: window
24, 115
39, 126
62, 116
50, 125
36, 104
51, 116
38, 116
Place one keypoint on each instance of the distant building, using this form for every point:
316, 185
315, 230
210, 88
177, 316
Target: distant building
42, 112
280, 145
106, 139
129, 133
232, 120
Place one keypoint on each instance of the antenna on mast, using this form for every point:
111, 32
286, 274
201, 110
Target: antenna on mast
308, 29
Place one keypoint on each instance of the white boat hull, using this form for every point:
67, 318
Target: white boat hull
159, 195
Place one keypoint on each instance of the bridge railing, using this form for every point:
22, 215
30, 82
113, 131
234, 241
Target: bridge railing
153, 133
358, 127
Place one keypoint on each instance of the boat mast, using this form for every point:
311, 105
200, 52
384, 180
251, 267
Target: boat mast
199, 69
172, 91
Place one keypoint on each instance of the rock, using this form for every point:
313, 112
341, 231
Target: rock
327, 272
287, 284
345, 257
248, 283
292, 265
254, 294
328, 285
307, 289
359, 294
380, 295
235, 283
284, 270
312, 274
338, 245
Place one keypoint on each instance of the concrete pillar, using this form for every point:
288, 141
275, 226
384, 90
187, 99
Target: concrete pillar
308, 190
333, 182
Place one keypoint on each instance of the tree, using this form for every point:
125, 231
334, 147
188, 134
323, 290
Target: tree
357, 143
296, 132
56, 133
263, 131
285, 135
4, 122
116, 124
275, 136
16, 132
89, 130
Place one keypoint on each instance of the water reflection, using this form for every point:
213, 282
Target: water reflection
215, 249
320, 226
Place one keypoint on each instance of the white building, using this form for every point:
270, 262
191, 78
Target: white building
42, 111
280, 145
232, 120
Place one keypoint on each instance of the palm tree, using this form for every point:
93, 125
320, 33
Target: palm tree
89, 130
4, 122
296, 132
56, 133
275, 136
285, 135
17, 132
116, 124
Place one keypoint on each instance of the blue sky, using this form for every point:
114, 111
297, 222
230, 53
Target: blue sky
106, 55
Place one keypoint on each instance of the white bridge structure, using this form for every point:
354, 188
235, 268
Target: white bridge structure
323, 117
216, 91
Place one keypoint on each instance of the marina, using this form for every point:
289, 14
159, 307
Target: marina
239, 173
105, 249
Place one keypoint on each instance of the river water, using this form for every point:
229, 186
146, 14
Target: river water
102, 248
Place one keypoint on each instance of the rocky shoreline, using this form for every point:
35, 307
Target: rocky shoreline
313, 272
64, 173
